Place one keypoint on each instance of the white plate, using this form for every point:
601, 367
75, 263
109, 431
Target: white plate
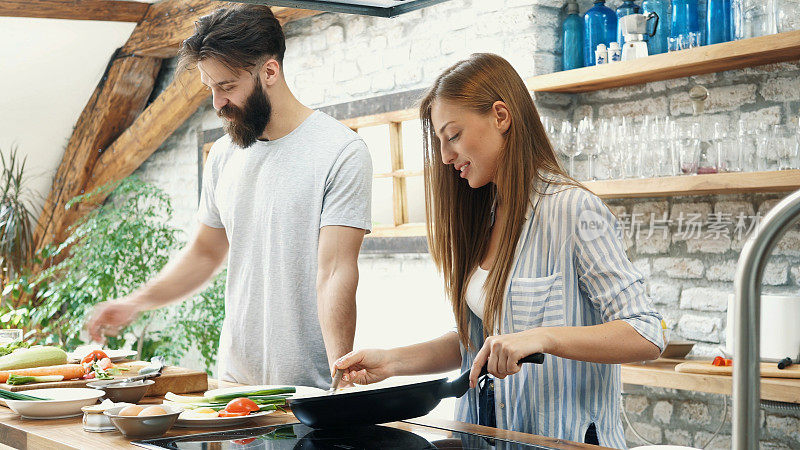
301, 391
66, 402
113, 355
214, 422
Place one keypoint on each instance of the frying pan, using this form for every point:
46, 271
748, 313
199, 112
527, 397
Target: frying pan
383, 405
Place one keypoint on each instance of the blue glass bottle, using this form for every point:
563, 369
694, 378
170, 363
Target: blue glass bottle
718, 22
627, 7
684, 18
658, 42
599, 27
572, 30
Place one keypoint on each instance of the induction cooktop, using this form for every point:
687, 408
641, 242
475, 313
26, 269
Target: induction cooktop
297, 436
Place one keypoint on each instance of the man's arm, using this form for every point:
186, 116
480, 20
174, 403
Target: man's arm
337, 279
185, 274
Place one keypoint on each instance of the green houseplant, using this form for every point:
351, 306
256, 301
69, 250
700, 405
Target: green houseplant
16, 217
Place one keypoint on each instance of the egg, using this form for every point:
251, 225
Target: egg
199, 413
152, 411
132, 410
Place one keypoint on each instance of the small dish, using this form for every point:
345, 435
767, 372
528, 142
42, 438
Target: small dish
122, 392
63, 402
95, 421
215, 422
143, 427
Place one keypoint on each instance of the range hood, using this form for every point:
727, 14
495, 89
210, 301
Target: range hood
380, 8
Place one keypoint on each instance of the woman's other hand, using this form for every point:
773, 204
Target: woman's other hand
502, 353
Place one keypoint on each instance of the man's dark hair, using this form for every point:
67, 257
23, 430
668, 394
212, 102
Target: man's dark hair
239, 37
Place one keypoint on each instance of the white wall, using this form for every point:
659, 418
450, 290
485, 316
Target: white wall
48, 70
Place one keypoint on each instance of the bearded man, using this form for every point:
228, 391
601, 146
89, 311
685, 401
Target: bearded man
285, 197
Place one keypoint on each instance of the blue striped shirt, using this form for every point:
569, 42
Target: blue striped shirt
570, 269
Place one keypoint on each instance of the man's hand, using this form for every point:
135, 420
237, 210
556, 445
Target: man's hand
109, 317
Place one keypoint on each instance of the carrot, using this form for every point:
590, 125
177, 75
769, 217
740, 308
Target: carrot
69, 371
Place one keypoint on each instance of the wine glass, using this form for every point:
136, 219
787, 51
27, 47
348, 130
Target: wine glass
567, 145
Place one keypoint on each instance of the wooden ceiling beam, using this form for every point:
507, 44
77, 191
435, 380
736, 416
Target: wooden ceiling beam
156, 123
107, 10
167, 24
116, 102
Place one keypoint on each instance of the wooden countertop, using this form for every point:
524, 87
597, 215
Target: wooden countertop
661, 373
63, 434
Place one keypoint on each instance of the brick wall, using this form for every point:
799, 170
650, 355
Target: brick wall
334, 58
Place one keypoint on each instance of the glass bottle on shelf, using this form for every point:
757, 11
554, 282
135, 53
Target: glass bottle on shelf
658, 42
572, 30
787, 15
758, 18
718, 22
599, 27
685, 19
627, 7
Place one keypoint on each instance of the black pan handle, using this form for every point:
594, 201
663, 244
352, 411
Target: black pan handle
460, 385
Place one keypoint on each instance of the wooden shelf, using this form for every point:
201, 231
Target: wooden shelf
718, 183
661, 373
712, 58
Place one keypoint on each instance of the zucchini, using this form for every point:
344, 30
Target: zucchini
36, 356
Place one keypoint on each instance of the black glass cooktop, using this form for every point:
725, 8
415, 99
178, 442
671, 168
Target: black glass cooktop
297, 436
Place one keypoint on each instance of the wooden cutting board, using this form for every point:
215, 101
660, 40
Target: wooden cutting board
178, 380
768, 370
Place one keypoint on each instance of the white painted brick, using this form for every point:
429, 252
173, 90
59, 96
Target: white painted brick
378, 43
709, 244
345, 71
383, 81
618, 210
652, 245
704, 299
582, 112
723, 271
397, 56
679, 267
734, 208
643, 266
700, 328
316, 42
653, 106
410, 77
781, 89
356, 87
453, 42
334, 35
769, 116
369, 63
551, 98
789, 245
796, 274
664, 293
776, 273
662, 412
726, 98
702, 208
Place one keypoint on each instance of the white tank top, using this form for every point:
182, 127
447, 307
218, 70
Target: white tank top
474, 295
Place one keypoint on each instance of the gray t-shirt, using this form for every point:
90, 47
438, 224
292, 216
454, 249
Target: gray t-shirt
272, 199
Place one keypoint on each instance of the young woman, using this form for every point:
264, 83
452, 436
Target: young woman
532, 262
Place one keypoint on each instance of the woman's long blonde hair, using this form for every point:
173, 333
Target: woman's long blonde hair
459, 219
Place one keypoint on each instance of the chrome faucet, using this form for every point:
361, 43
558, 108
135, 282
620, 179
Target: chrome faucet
747, 319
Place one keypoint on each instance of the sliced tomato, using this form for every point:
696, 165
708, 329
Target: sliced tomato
89, 376
224, 413
243, 441
96, 355
241, 404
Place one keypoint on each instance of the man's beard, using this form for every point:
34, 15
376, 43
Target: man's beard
246, 124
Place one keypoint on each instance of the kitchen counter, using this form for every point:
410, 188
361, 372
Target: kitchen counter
661, 373
68, 433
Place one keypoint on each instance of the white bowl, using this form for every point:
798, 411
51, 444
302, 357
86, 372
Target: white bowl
65, 402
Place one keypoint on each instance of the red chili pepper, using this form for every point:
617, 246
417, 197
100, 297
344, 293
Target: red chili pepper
728, 362
718, 361
243, 441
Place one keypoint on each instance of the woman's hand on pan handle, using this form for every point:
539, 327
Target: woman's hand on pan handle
365, 366
502, 353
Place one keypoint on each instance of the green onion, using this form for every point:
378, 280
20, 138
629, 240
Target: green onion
251, 394
20, 379
8, 395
